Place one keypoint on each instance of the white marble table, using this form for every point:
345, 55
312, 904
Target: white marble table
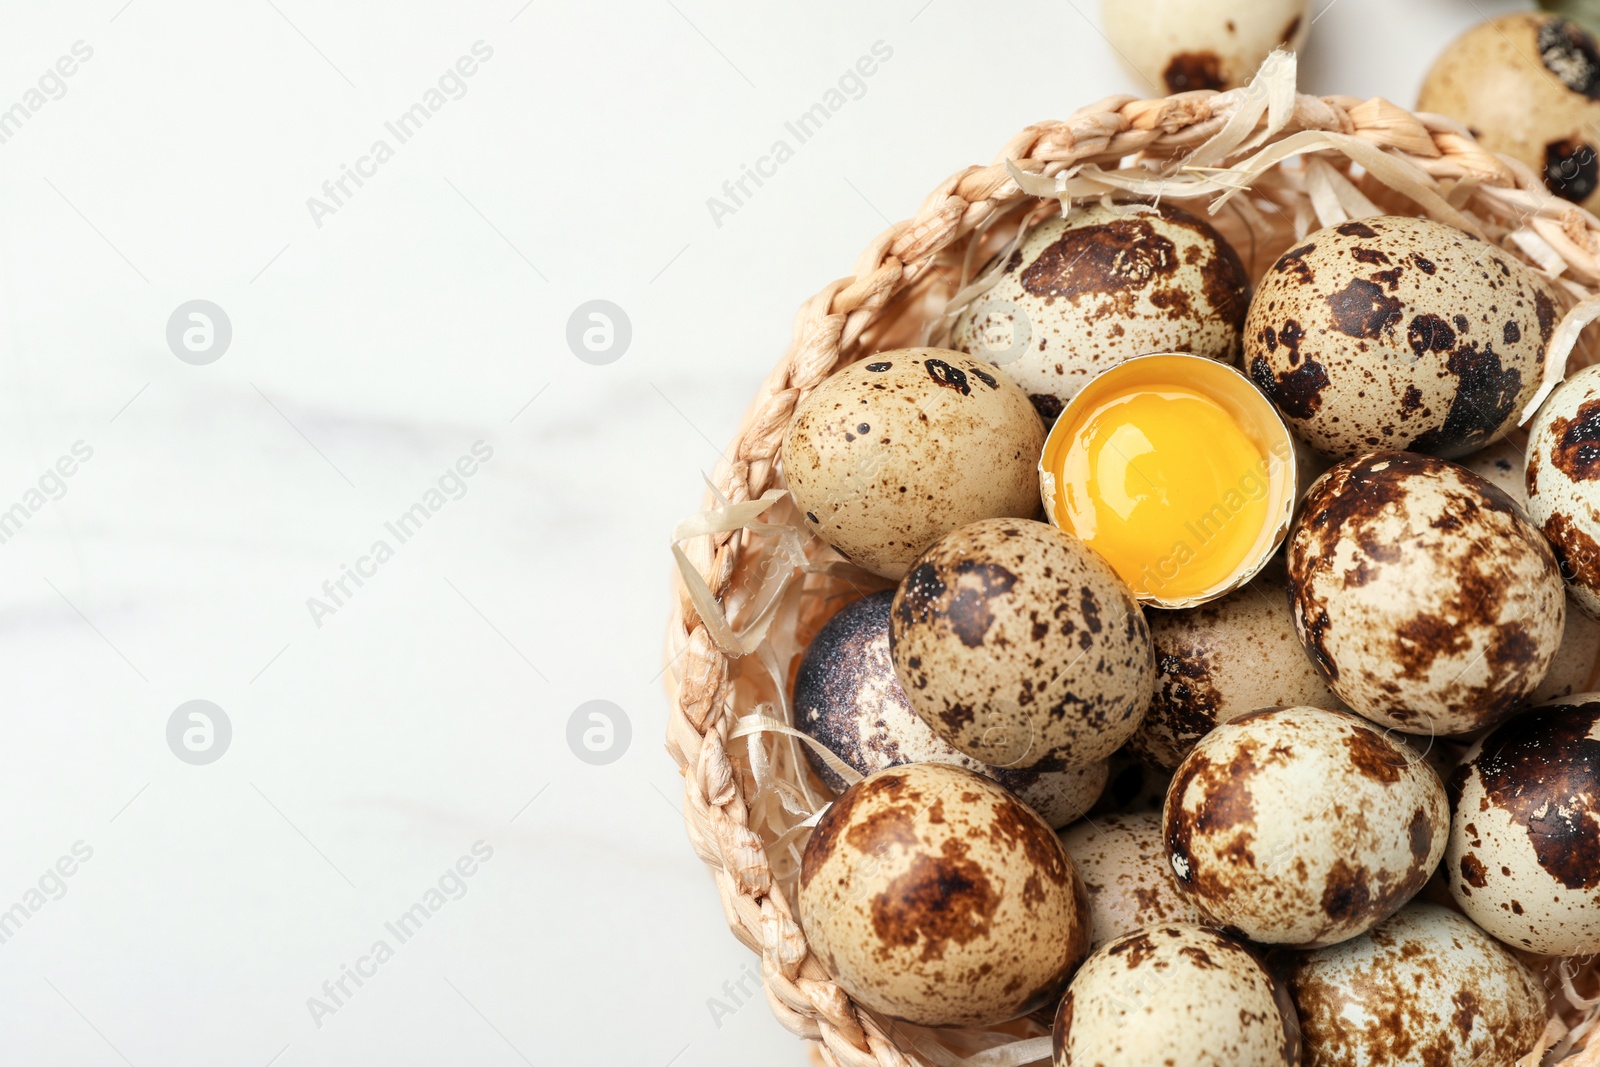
398, 858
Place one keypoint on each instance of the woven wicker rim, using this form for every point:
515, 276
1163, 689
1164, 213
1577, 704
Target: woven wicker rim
836, 327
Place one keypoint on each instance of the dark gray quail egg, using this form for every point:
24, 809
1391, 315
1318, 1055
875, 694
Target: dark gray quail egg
847, 697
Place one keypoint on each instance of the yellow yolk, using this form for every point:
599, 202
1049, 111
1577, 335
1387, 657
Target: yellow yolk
1166, 484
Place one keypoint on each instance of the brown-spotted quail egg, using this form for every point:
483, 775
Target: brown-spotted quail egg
1563, 481
1425, 597
1524, 858
1222, 660
1425, 988
891, 453
1122, 860
847, 697
1528, 86
1299, 826
1021, 647
1398, 332
932, 895
1184, 45
1178, 995
1083, 294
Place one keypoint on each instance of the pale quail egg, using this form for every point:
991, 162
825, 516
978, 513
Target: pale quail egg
1425, 988
930, 894
1501, 465
891, 453
847, 697
1181, 45
1524, 859
1299, 826
1398, 333
1122, 860
1527, 86
1222, 660
1563, 480
1426, 598
1083, 294
1178, 995
1021, 647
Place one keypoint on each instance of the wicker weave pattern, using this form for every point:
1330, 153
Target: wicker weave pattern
829, 331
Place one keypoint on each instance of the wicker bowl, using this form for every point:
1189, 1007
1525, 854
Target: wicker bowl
1269, 165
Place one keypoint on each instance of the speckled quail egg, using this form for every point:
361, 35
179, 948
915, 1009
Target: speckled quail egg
1021, 647
847, 697
1527, 86
1563, 481
1178, 995
1222, 660
1182, 45
891, 453
1122, 860
1426, 598
932, 895
1299, 826
1398, 332
1425, 988
1083, 294
1524, 858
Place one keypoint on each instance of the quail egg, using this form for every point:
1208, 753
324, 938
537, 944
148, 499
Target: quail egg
891, 453
1181, 45
1501, 465
1398, 333
1123, 863
1222, 660
1524, 858
1426, 598
1021, 647
1563, 481
1304, 827
1178, 995
1425, 988
847, 697
1527, 86
932, 895
1083, 294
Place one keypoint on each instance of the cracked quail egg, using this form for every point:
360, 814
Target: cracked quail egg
1430, 604
847, 697
1563, 482
1222, 660
1021, 647
1122, 860
1524, 857
1303, 827
892, 452
1425, 988
1527, 86
1083, 294
932, 895
1183, 45
1176, 994
1398, 333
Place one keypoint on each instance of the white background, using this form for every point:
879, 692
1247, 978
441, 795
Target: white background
369, 753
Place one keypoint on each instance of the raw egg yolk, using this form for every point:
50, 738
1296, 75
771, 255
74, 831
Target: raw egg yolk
1166, 484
